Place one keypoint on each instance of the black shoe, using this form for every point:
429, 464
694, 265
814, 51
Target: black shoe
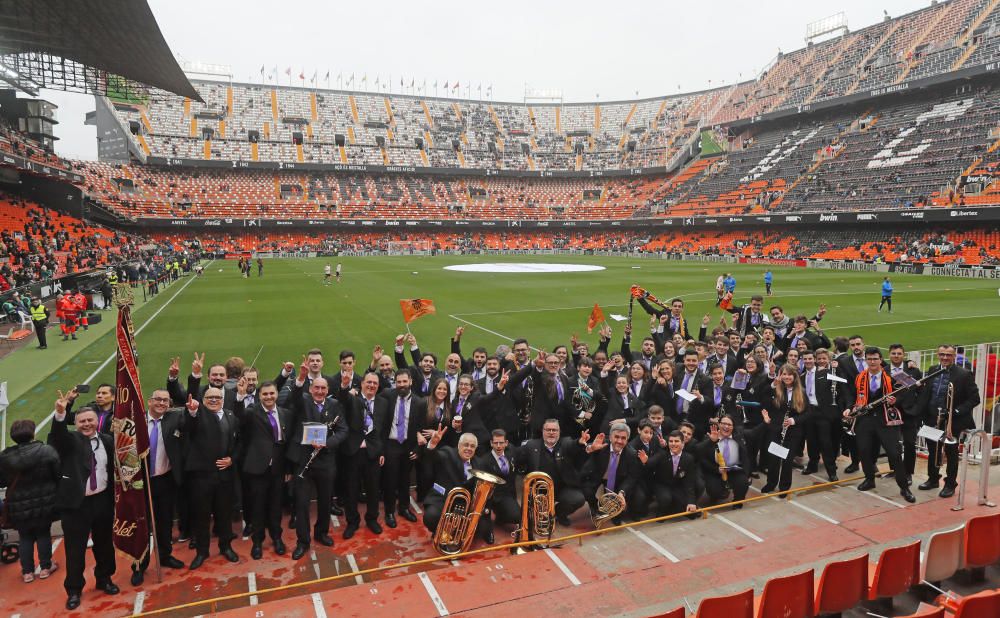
136, 579
279, 547
489, 538
930, 483
907, 495
325, 539
108, 587
300, 550
833, 477
256, 552
947, 491
408, 515
349, 531
229, 554
73, 601
74, 337
754, 475
247, 532
374, 526
336, 509
866, 485
172, 563
197, 562
810, 469
736, 507
851, 469
191, 544
390, 520
766, 489
562, 520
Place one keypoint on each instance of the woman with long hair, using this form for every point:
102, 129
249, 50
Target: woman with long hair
785, 417
438, 414
661, 391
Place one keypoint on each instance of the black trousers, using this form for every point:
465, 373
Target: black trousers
739, 482
820, 442
211, 496
94, 518
871, 433
262, 502
911, 425
638, 502
568, 500
779, 471
396, 477
756, 441
362, 470
322, 481
40, 332
505, 509
934, 462
163, 489
669, 500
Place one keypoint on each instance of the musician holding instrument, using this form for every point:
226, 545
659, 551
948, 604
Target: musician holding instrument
560, 458
877, 423
723, 461
933, 405
616, 469
907, 403
787, 415
448, 468
824, 399
499, 461
315, 464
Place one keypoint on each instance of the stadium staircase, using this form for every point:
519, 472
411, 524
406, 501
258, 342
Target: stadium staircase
910, 53
969, 39
891, 30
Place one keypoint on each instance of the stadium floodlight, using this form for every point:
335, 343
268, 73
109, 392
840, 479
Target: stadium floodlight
828, 27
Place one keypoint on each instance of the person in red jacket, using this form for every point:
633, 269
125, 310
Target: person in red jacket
81, 304
67, 310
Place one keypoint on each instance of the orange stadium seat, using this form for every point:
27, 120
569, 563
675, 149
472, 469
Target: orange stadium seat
739, 605
786, 597
897, 570
842, 585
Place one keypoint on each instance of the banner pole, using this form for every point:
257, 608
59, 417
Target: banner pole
152, 520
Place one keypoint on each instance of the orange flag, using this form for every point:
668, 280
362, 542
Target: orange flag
596, 316
727, 301
414, 308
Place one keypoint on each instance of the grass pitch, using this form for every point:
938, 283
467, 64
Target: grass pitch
288, 310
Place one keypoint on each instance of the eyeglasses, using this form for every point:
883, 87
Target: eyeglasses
160, 398
212, 398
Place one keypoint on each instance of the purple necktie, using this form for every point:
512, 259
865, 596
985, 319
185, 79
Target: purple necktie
368, 416
874, 383
93, 464
401, 421
274, 425
680, 400
677, 459
718, 395
503, 464
612, 471
154, 437
559, 389
636, 387
860, 363
461, 405
725, 451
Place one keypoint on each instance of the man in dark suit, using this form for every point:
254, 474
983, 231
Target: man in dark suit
407, 413
723, 357
424, 371
471, 407
800, 331
720, 440
499, 461
552, 394
317, 407
674, 477
497, 406
346, 361
616, 469
848, 366
449, 467
86, 498
823, 424
212, 435
103, 405
907, 403
646, 354
691, 379
368, 418
932, 403
314, 361
217, 376
561, 459
381, 366
166, 473
264, 433
748, 317
475, 366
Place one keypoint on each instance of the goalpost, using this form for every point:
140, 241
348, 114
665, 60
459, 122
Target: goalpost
408, 247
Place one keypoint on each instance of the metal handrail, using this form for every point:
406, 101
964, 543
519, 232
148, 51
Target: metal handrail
984, 473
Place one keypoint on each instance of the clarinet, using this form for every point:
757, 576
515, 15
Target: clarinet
315, 452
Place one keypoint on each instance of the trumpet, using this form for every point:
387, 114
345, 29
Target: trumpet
609, 506
538, 510
461, 512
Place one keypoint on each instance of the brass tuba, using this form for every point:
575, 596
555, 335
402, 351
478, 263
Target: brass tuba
461, 512
538, 510
609, 506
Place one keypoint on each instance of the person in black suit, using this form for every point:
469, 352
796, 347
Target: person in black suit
368, 418
166, 473
674, 476
646, 444
748, 317
876, 427
552, 396
407, 412
264, 431
85, 499
475, 366
788, 413
499, 461
616, 469
340, 488
823, 424
381, 366
723, 357
799, 332
720, 440
449, 468
103, 405
472, 407
212, 435
622, 404
317, 407
561, 459
217, 376
932, 405
315, 362
497, 408
645, 356
907, 403
691, 379
424, 371
848, 366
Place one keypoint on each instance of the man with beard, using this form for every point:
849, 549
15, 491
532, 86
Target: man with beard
103, 405
475, 366
407, 414
907, 403
498, 410
217, 376
561, 459
425, 371
381, 366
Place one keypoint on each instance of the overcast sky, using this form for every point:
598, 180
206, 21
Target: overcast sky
587, 50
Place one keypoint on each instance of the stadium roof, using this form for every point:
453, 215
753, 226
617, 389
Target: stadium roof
116, 37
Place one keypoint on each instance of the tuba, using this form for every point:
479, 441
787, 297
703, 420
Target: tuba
461, 512
538, 510
609, 506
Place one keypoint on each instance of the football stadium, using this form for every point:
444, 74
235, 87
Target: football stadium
329, 342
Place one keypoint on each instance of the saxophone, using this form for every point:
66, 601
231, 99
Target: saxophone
538, 510
461, 512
